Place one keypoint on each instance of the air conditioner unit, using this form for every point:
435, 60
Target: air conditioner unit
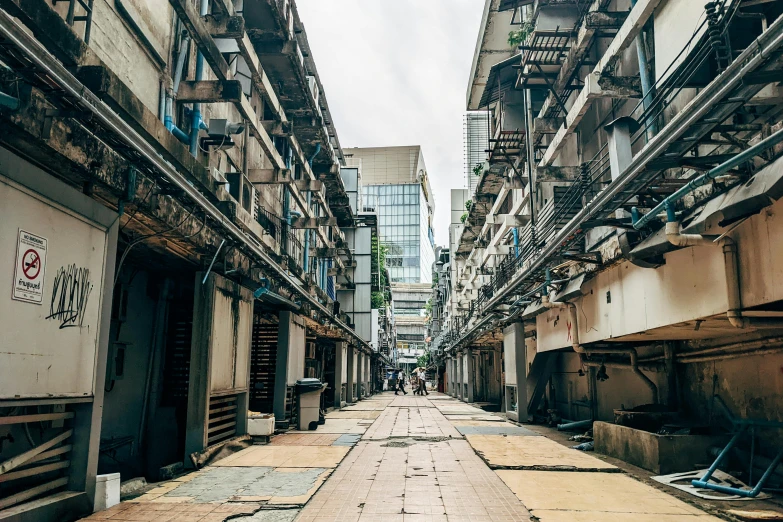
243, 192
310, 351
312, 83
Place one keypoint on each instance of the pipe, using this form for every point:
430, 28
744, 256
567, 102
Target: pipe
705, 101
723, 168
9, 101
583, 352
195, 117
516, 242
309, 200
644, 75
730, 266
575, 425
59, 74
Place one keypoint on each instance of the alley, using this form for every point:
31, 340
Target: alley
407, 458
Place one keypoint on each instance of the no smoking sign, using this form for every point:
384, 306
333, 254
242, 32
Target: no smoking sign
30, 268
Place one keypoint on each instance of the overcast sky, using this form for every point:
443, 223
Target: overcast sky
395, 72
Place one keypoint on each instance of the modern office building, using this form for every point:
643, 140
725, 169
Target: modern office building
396, 185
475, 139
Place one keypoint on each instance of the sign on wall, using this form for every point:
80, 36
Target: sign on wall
30, 268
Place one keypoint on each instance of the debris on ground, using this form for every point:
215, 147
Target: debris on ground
585, 446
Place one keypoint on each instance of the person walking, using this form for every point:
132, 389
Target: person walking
401, 383
423, 382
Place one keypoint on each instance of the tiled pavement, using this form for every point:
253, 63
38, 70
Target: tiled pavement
407, 459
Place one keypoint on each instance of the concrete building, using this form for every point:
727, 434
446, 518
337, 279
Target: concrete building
475, 140
619, 250
183, 235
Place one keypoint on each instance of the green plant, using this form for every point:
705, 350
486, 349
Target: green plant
379, 298
464, 217
478, 170
468, 204
423, 360
518, 37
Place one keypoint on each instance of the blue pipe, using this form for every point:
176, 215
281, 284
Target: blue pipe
746, 155
9, 101
195, 117
168, 119
516, 242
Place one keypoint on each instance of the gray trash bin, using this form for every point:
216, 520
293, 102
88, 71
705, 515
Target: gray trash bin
308, 392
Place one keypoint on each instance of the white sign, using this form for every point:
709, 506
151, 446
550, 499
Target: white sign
30, 268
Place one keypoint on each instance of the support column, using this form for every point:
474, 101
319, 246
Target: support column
359, 374
471, 377
460, 377
515, 355
290, 359
368, 375
349, 383
340, 373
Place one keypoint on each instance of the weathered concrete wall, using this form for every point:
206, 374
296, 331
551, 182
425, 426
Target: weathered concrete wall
627, 299
49, 347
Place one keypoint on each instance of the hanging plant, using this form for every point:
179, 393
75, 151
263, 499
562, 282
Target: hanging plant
518, 37
464, 217
468, 204
478, 170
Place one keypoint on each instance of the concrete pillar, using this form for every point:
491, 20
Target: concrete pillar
359, 375
349, 384
471, 377
290, 358
368, 374
515, 356
460, 377
340, 373
219, 357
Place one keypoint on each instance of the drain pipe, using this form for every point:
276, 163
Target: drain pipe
169, 117
309, 197
195, 117
731, 268
644, 76
583, 352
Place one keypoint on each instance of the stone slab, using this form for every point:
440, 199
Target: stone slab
597, 493
354, 414
498, 429
347, 439
305, 439
534, 453
286, 457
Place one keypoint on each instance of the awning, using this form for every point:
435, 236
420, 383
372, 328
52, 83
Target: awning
502, 77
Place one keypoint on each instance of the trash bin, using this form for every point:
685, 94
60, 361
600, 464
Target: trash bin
308, 393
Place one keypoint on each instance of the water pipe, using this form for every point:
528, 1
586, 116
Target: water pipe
731, 270
583, 351
702, 180
9, 101
644, 76
309, 210
575, 425
195, 117
168, 119
516, 242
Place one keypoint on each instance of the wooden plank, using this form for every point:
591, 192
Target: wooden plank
14, 475
49, 454
33, 492
210, 91
38, 417
219, 410
221, 436
221, 427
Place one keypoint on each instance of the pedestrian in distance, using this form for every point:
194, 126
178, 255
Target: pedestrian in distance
423, 382
401, 383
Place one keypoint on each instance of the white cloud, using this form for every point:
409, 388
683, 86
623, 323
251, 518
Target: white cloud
395, 72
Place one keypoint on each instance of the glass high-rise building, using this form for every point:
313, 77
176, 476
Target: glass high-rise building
475, 137
396, 185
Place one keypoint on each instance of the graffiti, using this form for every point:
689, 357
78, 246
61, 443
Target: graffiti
70, 293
